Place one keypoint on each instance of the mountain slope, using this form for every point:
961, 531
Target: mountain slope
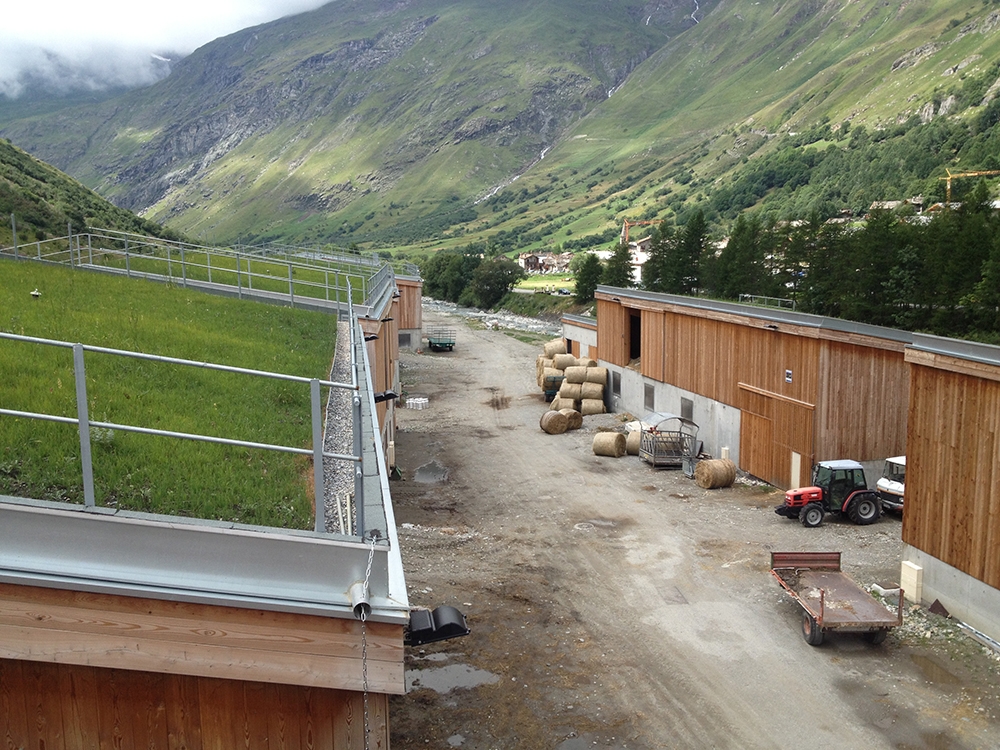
44, 201
312, 112
419, 122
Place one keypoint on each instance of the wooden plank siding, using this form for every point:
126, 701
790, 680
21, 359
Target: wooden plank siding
409, 314
55, 625
826, 393
72, 707
953, 464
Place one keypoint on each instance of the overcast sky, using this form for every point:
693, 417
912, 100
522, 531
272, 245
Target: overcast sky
78, 44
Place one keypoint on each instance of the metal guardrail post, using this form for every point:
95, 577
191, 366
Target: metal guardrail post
90, 250
13, 230
359, 478
208, 264
239, 279
83, 415
318, 473
128, 265
291, 286
184, 280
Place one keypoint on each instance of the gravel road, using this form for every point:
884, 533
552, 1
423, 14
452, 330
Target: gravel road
613, 605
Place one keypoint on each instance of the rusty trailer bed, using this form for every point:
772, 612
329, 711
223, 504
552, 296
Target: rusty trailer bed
830, 597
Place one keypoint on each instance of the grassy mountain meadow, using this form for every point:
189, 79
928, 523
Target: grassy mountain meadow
417, 125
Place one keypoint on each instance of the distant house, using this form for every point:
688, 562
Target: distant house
544, 262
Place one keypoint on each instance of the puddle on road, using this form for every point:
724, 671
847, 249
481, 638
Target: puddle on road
447, 678
933, 671
431, 473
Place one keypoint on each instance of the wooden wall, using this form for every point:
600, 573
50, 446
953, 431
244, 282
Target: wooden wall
953, 463
71, 707
410, 314
801, 390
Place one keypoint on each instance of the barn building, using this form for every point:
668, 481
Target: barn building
774, 389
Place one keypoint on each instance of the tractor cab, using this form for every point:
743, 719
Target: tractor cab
838, 487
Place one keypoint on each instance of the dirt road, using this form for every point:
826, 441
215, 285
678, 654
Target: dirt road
613, 605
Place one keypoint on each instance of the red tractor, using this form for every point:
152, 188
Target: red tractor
838, 487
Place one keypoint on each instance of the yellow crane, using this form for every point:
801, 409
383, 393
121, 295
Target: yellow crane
952, 175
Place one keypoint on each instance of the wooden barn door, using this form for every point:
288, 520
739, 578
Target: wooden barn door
756, 445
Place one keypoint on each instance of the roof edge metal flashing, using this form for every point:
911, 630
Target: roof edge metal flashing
972, 351
586, 320
771, 315
70, 547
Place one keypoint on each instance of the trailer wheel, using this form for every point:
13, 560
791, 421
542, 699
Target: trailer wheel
811, 630
864, 510
811, 515
875, 637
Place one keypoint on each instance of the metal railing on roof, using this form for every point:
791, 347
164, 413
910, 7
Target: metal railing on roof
370, 481
300, 277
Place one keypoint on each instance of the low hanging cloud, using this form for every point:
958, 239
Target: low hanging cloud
66, 45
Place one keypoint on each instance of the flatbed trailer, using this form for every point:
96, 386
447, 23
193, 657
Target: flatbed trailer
830, 598
441, 339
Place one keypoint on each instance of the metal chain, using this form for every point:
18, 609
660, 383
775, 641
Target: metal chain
364, 636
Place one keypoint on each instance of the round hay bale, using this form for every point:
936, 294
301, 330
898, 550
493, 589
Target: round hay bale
563, 403
574, 419
713, 473
562, 361
586, 362
552, 372
597, 375
591, 406
570, 391
576, 374
609, 444
554, 347
554, 422
592, 390
632, 440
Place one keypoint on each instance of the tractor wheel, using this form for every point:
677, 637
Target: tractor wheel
811, 515
875, 637
864, 510
811, 630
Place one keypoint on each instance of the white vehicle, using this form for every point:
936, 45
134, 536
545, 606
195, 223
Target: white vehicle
890, 486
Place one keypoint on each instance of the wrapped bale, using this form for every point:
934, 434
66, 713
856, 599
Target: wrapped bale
554, 347
592, 406
632, 440
714, 473
576, 374
586, 362
609, 444
571, 391
562, 361
591, 391
574, 419
597, 375
554, 422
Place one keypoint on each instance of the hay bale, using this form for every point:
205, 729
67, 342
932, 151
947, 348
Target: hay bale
609, 444
586, 362
570, 390
554, 347
632, 440
713, 473
562, 361
592, 390
591, 406
576, 374
574, 419
564, 403
597, 375
554, 422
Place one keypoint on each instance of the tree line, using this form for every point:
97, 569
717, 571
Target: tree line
938, 274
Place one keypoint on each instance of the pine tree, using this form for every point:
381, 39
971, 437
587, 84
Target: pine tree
618, 270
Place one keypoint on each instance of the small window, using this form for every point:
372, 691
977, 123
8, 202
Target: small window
648, 399
687, 408
616, 383
404, 341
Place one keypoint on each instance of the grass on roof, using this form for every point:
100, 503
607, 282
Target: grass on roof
149, 473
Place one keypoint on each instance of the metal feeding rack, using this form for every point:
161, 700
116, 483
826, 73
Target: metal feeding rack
668, 440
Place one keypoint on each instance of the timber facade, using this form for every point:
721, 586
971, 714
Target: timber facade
778, 390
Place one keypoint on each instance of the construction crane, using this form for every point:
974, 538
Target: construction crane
626, 224
952, 175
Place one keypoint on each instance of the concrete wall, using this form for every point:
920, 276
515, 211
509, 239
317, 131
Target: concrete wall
718, 424
966, 598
